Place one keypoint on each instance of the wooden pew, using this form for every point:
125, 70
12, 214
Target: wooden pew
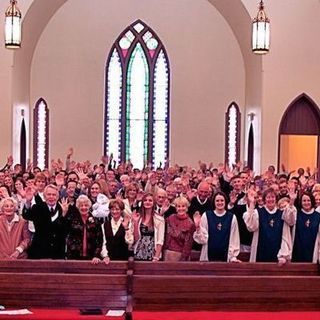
161, 286
192, 286
63, 284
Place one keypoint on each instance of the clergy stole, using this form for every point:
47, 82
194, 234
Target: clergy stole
270, 235
307, 227
219, 235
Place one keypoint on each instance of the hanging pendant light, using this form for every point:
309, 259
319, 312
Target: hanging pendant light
13, 26
261, 32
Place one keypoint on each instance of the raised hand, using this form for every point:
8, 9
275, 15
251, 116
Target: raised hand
221, 169
197, 219
233, 197
59, 179
292, 192
165, 206
54, 165
215, 180
126, 221
29, 165
291, 172
251, 196
72, 165
119, 196
60, 164
239, 165
70, 152
30, 191
10, 160
191, 193
229, 172
87, 165
105, 160
64, 203
81, 174
135, 216
291, 186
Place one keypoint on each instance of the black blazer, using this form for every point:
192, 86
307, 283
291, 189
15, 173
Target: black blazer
49, 238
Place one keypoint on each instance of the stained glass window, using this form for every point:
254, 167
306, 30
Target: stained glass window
137, 98
41, 134
232, 153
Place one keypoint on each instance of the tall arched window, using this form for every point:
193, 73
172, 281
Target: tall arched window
137, 98
41, 134
233, 122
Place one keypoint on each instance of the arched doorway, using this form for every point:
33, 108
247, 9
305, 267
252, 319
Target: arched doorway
299, 135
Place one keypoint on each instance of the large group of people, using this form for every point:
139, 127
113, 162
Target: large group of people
107, 212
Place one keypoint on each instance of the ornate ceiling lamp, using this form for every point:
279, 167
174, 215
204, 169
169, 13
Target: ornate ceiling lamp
261, 32
13, 26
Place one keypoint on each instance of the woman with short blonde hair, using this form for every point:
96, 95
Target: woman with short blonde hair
130, 200
179, 233
83, 199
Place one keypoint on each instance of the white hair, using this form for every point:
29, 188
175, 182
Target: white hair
13, 200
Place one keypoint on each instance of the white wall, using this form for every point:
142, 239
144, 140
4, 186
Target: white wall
69, 74
291, 68
206, 66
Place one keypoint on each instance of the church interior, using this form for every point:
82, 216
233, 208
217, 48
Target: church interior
65, 50
163, 82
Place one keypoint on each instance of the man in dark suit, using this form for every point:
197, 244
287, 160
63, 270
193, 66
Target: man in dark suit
238, 206
199, 204
202, 202
49, 237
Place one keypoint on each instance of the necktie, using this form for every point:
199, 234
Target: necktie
84, 241
51, 212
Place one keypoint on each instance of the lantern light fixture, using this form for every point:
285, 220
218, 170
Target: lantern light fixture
261, 32
13, 26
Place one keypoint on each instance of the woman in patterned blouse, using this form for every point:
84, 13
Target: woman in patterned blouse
148, 231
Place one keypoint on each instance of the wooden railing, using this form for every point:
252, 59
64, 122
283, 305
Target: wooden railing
226, 287
63, 284
159, 286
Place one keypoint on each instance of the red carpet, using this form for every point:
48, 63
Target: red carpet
226, 315
45, 314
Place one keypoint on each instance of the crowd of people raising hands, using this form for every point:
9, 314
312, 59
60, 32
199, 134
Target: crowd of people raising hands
109, 212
